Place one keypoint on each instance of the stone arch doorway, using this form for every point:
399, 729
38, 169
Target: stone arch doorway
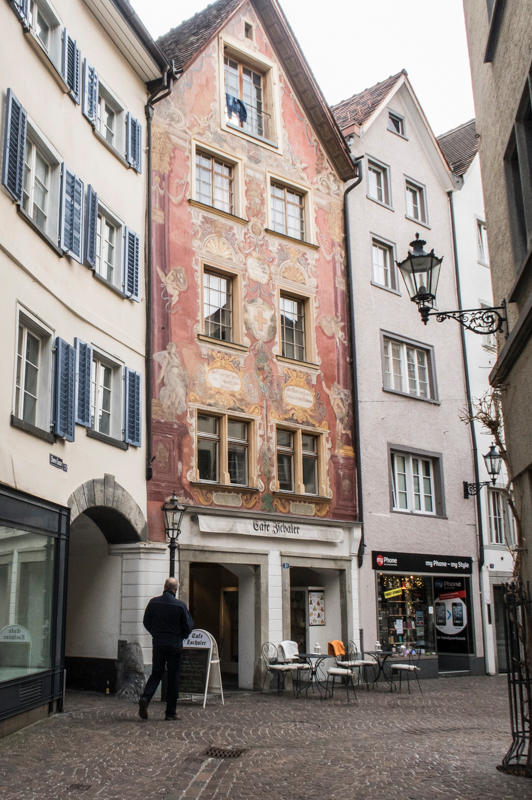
105, 522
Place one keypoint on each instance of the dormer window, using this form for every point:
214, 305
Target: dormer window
244, 89
396, 123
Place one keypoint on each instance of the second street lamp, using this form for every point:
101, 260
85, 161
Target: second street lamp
493, 461
173, 514
421, 272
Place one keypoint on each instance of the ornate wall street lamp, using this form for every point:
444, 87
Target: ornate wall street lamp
173, 514
493, 461
421, 272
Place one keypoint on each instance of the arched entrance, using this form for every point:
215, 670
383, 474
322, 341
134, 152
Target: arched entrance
103, 515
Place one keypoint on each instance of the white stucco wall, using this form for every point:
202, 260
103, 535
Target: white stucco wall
388, 418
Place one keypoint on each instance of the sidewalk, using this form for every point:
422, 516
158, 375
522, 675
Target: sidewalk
443, 744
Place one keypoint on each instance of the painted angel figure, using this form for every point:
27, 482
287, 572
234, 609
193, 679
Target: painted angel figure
173, 394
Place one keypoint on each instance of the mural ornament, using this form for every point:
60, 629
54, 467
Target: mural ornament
173, 283
259, 318
173, 394
332, 327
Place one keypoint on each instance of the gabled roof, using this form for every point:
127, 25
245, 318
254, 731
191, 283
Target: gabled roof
359, 107
460, 146
185, 42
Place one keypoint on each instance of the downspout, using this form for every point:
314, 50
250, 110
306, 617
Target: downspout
472, 426
356, 427
162, 90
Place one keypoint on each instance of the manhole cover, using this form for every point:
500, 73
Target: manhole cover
225, 752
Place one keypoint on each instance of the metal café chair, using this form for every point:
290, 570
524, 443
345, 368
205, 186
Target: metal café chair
408, 667
272, 666
346, 675
288, 654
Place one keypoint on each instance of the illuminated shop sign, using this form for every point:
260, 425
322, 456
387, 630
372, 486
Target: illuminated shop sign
385, 561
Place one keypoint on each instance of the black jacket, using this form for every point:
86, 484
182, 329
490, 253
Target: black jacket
168, 620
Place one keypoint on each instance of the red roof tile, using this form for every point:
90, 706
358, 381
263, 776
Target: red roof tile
357, 109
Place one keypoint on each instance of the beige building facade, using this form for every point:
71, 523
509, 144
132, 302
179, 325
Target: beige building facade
72, 453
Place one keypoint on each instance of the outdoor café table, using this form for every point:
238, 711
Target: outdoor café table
381, 657
314, 660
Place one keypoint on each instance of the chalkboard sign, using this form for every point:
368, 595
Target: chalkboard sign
194, 668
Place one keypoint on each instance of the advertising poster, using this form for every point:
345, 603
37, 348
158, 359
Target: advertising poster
452, 615
316, 607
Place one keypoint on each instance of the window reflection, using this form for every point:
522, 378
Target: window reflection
26, 593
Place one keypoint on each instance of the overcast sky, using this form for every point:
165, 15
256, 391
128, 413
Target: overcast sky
352, 44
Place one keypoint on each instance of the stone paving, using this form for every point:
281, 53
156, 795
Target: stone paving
443, 744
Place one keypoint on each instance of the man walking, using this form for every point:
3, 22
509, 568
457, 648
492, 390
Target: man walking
169, 622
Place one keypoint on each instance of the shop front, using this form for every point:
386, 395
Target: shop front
250, 580
424, 602
33, 544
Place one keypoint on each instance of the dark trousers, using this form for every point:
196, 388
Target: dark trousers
168, 656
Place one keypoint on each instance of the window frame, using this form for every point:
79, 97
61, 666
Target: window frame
101, 360
308, 319
233, 49
105, 95
379, 168
118, 226
436, 477
297, 453
307, 212
405, 344
501, 522
51, 228
223, 441
236, 169
421, 192
482, 242
45, 335
288, 191
389, 247
235, 280
399, 118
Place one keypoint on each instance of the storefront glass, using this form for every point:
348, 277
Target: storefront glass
406, 611
26, 602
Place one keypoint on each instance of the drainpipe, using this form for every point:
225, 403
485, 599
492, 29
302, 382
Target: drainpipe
351, 283
161, 90
472, 426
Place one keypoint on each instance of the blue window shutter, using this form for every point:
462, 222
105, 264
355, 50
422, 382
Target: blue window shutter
89, 103
64, 386
131, 264
70, 65
132, 408
83, 384
21, 9
91, 225
14, 146
133, 142
71, 219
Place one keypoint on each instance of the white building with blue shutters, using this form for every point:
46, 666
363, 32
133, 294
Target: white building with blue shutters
75, 80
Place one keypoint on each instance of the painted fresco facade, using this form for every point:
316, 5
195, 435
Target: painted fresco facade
244, 519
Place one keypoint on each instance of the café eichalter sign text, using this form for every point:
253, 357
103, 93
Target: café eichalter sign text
269, 528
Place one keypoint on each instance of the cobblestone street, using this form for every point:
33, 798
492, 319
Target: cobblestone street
444, 744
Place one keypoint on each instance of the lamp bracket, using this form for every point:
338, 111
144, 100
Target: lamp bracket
472, 489
478, 320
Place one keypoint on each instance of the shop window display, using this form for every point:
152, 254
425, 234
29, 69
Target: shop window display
405, 611
26, 602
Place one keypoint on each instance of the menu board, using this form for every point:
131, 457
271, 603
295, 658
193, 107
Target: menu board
194, 668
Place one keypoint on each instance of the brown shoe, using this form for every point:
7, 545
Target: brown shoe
143, 708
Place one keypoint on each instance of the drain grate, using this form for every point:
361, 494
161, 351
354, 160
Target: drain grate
79, 787
225, 752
